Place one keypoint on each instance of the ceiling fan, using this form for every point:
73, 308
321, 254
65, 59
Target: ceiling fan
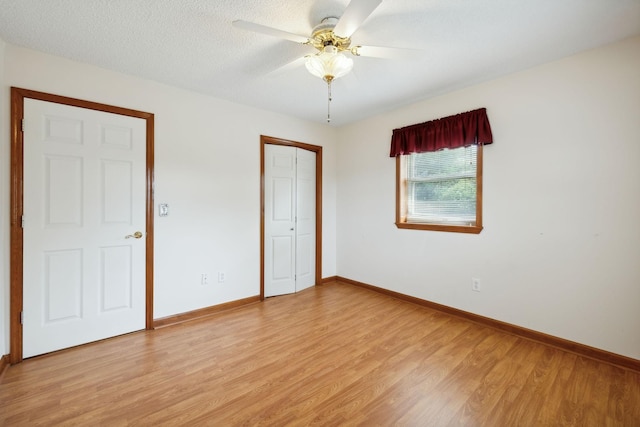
332, 39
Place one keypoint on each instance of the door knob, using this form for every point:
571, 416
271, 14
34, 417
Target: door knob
135, 235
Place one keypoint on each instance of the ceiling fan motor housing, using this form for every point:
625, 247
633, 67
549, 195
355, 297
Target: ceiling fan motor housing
323, 35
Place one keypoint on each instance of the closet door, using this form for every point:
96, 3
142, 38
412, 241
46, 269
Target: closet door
289, 253
306, 219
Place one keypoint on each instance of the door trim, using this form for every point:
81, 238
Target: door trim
17, 207
264, 140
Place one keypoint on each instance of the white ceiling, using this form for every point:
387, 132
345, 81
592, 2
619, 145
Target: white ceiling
192, 44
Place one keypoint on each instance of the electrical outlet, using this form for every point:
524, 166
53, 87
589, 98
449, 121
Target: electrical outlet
475, 284
221, 277
204, 279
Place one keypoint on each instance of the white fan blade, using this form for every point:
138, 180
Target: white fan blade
354, 15
262, 29
386, 52
288, 67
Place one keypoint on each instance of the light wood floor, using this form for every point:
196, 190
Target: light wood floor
334, 355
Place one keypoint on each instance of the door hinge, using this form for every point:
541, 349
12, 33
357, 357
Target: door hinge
22, 317
22, 222
22, 125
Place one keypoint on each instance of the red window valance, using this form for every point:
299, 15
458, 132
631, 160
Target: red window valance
455, 131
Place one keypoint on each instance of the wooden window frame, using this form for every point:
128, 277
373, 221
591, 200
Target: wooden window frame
401, 204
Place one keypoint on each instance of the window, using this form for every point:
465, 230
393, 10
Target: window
439, 172
440, 190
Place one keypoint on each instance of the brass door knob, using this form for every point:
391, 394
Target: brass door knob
135, 235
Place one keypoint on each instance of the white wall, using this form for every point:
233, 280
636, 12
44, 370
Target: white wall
207, 168
560, 248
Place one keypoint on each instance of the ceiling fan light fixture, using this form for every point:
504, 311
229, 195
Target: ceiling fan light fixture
329, 64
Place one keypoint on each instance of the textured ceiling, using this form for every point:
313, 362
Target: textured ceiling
193, 45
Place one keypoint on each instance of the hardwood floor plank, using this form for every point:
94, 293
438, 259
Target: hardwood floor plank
576, 408
491, 390
533, 396
331, 355
631, 407
463, 379
556, 395
403, 394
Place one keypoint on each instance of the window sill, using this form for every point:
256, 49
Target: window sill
469, 229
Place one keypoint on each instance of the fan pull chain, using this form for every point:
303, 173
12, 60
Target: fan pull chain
329, 102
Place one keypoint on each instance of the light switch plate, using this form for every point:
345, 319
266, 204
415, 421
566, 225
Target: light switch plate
163, 209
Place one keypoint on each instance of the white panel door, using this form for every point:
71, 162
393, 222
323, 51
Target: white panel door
84, 193
279, 219
289, 194
305, 219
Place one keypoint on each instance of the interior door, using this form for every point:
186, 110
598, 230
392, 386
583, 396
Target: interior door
305, 237
84, 219
289, 253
